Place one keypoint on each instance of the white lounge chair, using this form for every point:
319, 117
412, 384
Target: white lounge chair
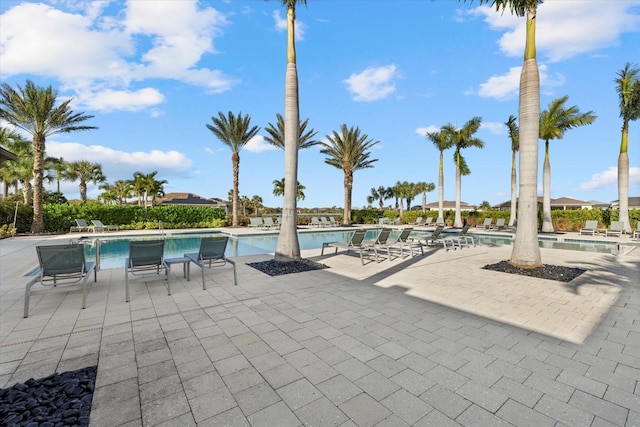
499, 225
99, 226
486, 224
256, 222
616, 229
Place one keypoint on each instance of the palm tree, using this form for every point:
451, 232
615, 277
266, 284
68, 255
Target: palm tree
526, 252
512, 127
442, 141
33, 109
380, 194
278, 189
424, 188
276, 134
123, 189
86, 172
553, 124
348, 151
462, 138
235, 132
146, 185
256, 201
628, 88
59, 167
9, 170
402, 190
244, 202
288, 246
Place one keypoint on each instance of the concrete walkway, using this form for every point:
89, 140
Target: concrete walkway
432, 340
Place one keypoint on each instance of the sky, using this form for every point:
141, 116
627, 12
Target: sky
153, 73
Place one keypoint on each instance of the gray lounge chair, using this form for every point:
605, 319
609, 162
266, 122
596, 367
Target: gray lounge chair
590, 228
499, 225
99, 226
144, 256
462, 238
315, 222
269, 223
355, 242
211, 254
81, 225
333, 222
486, 224
404, 239
428, 222
616, 229
437, 239
256, 222
382, 242
60, 265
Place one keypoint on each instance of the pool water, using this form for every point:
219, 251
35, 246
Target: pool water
113, 251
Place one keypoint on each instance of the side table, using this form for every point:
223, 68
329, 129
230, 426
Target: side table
186, 268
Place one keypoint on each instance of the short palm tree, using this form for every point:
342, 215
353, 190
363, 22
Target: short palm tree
628, 88
33, 109
512, 127
9, 170
442, 141
85, 172
276, 134
380, 194
235, 132
402, 191
526, 252
256, 201
424, 188
554, 122
348, 151
146, 185
278, 189
462, 138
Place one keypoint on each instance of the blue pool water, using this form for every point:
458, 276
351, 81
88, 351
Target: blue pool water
113, 251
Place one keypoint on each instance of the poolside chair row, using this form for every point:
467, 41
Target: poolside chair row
96, 226
323, 222
264, 223
66, 264
615, 230
499, 225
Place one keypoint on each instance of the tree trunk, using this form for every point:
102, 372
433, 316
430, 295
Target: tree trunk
514, 196
235, 162
27, 192
348, 186
623, 190
458, 219
547, 224
83, 191
441, 187
37, 226
288, 246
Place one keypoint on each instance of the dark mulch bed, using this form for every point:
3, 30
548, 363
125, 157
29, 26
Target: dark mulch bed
275, 268
550, 272
62, 399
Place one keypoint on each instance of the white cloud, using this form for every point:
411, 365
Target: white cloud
494, 127
565, 29
506, 86
280, 23
428, 129
151, 40
257, 144
609, 178
372, 84
118, 164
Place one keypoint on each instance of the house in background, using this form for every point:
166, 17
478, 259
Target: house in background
634, 203
190, 199
561, 203
447, 205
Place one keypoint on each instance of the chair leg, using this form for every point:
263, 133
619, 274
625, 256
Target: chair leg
27, 294
126, 280
235, 278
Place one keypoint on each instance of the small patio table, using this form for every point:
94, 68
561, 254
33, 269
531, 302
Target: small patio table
186, 268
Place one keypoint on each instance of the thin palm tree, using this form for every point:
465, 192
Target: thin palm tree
235, 132
278, 189
11, 140
256, 201
628, 88
512, 127
146, 185
288, 246
461, 139
554, 122
380, 194
276, 134
526, 252
424, 188
33, 109
348, 151
443, 142
402, 190
84, 171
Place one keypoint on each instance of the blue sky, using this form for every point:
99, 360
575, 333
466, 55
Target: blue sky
153, 73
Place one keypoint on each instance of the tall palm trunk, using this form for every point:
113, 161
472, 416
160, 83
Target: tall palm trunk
27, 192
526, 252
623, 180
348, 189
83, 191
441, 186
514, 195
547, 223
288, 246
458, 219
38, 175
235, 161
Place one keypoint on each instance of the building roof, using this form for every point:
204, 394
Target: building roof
6, 155
449, 204
190, 199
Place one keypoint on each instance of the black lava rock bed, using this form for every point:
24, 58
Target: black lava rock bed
550, 272
275, 268
58, 400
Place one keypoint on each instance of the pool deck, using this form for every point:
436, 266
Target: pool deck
426, 340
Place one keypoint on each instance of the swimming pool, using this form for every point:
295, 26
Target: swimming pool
113, 251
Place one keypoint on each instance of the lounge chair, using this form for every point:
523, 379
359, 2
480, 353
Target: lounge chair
256, 222
428, 222
99, 226
440, 222
269, 223
144, 256
81, 225
462, 238
355, 242
486, 224
590, 228
382, 242
616, 229
211, 254
499, 225
437, 239
60, 265
404, 240
636, 233
333, 222
315, 222
418, 222
325, 222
